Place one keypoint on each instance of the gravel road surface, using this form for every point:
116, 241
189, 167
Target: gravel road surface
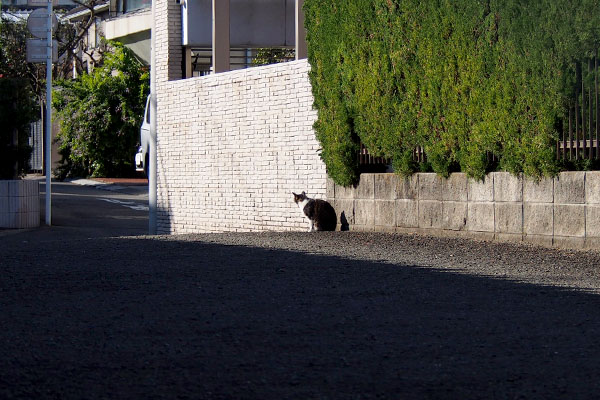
331, 315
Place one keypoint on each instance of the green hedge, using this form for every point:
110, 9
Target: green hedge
461, 78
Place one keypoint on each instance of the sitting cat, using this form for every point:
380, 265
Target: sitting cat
321, 215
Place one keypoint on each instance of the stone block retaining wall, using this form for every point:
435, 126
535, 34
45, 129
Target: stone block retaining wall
19, 204
564, 211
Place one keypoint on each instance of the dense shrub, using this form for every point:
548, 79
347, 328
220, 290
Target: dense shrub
100, 116
461, 78
17, 111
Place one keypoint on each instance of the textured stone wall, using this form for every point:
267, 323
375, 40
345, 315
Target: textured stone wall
564, 211
233, 146
19, 204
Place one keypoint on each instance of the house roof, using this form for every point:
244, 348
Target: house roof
81, 11
17, 15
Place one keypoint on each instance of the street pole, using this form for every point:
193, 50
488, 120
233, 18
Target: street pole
152, 173
48, 146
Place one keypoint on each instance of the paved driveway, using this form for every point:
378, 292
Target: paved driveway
332, 315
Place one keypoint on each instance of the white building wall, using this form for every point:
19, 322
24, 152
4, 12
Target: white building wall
233, 146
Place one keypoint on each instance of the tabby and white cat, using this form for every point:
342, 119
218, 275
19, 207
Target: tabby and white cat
320, 214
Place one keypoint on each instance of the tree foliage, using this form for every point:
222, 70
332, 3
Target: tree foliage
461, 78
71, 37
28, 79
272, 55
13, 51
17, 110
100, 116
19, 84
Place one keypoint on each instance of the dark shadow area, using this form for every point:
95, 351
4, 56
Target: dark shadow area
152, 319
344, 225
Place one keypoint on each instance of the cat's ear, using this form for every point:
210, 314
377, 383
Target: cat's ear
303, 193
294, 194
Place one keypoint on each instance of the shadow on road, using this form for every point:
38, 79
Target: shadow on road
147, 318
85, 212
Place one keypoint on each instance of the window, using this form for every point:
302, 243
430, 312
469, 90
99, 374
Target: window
132, 5
125, 6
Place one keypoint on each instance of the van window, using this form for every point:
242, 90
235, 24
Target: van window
148, 110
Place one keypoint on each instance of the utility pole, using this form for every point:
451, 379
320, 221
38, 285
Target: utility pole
48, 146
152, 195
40, 25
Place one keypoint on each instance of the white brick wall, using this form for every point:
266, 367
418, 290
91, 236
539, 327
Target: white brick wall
233, 146
19, 204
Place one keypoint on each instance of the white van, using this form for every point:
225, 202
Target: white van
142, 156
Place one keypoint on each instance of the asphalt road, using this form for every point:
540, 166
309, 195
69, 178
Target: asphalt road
328, 315
86, 211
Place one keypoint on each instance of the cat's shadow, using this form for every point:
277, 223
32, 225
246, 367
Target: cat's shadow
344, 225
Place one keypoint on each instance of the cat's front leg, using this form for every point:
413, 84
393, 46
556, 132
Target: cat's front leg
311, 226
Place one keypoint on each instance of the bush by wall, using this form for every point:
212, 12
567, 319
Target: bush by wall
463, 79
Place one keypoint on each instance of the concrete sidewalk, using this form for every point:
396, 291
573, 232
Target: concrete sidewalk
130, 185
123, 181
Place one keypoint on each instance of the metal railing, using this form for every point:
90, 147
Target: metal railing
239, 58
369, 163
579, 138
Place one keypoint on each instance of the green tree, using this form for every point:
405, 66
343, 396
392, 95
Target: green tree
13, 50
71, 45
17, 111
100, 115
19, 83
26, 79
